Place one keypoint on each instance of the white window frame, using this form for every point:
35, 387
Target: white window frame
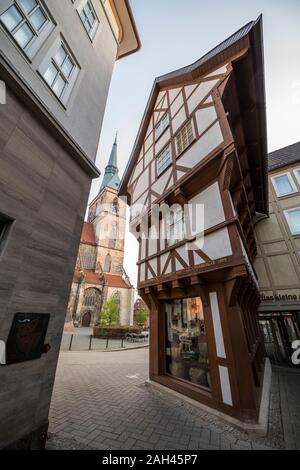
160, 128
49, 59
175, 225
296, 174
294, 190
92, 33
160, 172
289, 221
39, 35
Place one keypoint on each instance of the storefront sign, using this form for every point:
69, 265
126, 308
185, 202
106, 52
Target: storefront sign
280, 298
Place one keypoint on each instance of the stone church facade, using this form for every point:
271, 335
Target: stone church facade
99, 272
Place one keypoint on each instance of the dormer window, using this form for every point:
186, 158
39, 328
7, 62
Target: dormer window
162, 126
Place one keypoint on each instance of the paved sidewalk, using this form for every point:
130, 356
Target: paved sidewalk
100, 401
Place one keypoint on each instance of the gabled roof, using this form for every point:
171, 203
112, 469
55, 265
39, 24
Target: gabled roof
248, 35
115, 280
88, 234
284, 156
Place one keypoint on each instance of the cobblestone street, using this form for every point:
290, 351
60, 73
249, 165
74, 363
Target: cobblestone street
100, 401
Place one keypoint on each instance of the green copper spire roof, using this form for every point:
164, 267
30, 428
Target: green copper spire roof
111, 177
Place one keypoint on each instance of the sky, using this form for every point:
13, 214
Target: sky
175, 33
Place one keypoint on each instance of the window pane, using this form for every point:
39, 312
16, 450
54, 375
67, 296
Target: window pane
87, 8
11, 18
28, 5
50, 74
186, 352
38, 19
24, 35
59, 86
283, 184
83, 16
92, 18
60, 56
87, 26
295, 220
67, 67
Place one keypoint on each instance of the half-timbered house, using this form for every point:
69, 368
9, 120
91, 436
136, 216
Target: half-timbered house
202, 143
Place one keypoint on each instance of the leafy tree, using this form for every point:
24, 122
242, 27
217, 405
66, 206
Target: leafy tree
141, 316
110, 312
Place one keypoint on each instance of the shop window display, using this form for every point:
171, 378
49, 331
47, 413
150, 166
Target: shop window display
186, 343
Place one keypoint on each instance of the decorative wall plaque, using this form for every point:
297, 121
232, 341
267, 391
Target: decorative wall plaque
26, 337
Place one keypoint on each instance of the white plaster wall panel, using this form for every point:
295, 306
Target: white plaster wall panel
149, 142
208, 101
173, 93
219, 71
162, 141
150, 128
198, 259
170, 184
141, 185
225, 385
189, 89
205, 117
180, 174
153, 264
179, 119
152, 242
208, 142
138, 170
149, 274
178, 265
143, 248
210, 198
176, 105
161, 182
163, 260
199, 94
142, 272
217, 244
183, 252
141, 155
218, 332
160, 96
148, 156
232, 206
153, 172
169, 268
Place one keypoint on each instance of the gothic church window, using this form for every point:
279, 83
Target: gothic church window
115, 207
107, 264
90, 297
113, 235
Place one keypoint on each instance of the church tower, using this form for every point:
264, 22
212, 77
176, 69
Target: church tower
107, 213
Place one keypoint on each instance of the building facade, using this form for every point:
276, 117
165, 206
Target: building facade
56, 62
201, 150
99, 272
278, 260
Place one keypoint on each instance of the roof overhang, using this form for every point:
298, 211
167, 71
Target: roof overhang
247, 39
129, 41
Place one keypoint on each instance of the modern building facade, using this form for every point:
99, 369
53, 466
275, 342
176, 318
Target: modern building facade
56, 62
201, 146
278, 260
99, 272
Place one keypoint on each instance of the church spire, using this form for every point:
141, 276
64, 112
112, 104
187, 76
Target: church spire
111, 177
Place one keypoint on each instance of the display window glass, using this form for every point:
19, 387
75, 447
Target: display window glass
186, 341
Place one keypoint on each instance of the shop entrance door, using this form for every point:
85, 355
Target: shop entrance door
280, 329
